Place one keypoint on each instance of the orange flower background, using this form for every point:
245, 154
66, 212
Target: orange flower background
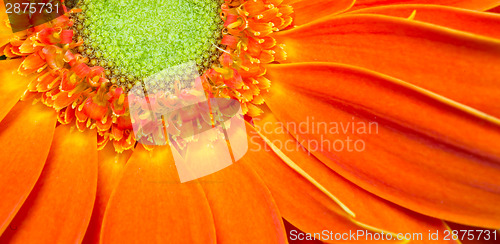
426, 72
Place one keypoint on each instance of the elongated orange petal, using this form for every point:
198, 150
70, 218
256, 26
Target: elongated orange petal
399, 142
25, 138
399, 102
12, 85
481, 23
368, 208
455, 64
111, 165
240, 201
468, 4
60, 205
149, 205
308, 10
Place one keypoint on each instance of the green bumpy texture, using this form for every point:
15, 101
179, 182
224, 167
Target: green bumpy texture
143, 37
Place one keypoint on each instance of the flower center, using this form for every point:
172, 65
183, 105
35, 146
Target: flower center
137, 39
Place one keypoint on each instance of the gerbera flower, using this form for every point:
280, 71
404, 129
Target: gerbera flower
367, 115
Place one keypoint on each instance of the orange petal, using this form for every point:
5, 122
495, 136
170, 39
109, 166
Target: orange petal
455, 64
495, 10
111, 165
12, 85
149, 205
468, 4
481, 23
25, 138
240, 201
60, 205
293, 192
308, 10
397, 141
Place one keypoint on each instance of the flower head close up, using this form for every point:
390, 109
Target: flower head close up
249, 121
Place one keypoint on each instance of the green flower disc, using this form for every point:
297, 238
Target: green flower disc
143, 37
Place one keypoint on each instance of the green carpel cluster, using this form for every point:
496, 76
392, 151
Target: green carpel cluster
137, 39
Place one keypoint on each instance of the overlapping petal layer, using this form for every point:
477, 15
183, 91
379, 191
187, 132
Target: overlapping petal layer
481, 23
424, 163
239, 199
457, 65
322, 212
25, 139
309, 10
150, 205
111, 165
60, 205
12, 85
467, 4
